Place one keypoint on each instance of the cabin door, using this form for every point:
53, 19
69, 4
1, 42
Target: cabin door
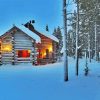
47, 53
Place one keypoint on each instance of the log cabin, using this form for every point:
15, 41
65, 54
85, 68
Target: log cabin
18, 46
22, 45
47, 47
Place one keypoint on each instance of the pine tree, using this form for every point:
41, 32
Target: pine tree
47, 29
55, 46
57, 33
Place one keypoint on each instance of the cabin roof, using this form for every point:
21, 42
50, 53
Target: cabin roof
26, 31
51, 37
33, 33
30, 33
46, 34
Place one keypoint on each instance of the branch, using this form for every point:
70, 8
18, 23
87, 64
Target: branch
79, 46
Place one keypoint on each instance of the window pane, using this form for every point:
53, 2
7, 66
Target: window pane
24, 53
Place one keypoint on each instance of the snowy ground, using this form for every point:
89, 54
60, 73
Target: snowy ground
26, 82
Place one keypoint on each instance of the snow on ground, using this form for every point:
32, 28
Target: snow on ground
27, 82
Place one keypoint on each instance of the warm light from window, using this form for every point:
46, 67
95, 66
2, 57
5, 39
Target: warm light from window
50, 49
44, 54
6, 48
29, 51
23, 53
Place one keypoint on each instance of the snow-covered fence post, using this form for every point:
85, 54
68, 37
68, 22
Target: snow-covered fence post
65, 41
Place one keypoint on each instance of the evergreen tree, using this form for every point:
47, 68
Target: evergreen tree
57, 33
47, 29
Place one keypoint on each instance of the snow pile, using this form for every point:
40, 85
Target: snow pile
27, 82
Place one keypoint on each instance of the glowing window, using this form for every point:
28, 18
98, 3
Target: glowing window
6, 47
23, 53
50, 49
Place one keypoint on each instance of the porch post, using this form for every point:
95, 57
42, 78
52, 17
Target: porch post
13, 49
34, 53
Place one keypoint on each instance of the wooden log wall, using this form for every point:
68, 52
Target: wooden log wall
23, 42
46, 43
34, 53
6, 56
54, 44
19, 41
13, 48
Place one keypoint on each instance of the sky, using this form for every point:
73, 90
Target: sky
21, 11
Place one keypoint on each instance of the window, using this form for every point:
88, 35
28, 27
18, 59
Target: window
6, 47
23, 53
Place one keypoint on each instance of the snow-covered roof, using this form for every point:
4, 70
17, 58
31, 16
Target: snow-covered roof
30, 33
41, 33
34, 35
52, 37
27, 31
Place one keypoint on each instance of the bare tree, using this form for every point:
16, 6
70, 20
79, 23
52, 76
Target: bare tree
77, 38
65, 41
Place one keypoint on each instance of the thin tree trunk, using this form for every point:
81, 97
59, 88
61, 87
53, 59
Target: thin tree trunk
77, 32
86, 58
65, 41
89, 46
95, 42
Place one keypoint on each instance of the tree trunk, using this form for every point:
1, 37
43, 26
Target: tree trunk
89, 46
95, 42
77, 32
65, 41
